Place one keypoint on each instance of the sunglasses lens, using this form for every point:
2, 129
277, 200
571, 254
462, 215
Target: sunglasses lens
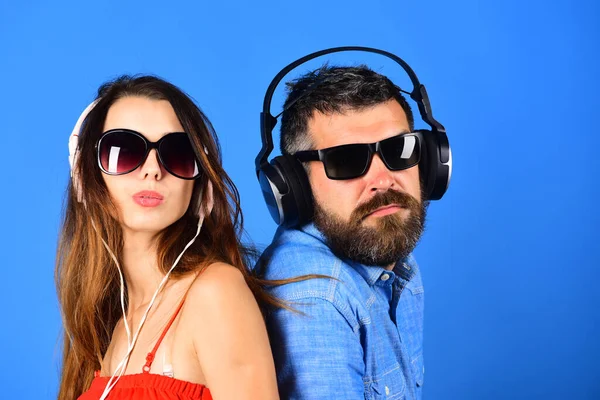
346, 162
401, 152
178, 156
121, 152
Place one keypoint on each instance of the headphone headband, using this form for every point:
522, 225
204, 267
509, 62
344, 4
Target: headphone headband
268, 121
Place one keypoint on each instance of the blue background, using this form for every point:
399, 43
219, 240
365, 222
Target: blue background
510, 258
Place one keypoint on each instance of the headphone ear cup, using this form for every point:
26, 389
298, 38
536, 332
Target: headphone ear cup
77, 188
427, 163
76, 179
74, 163
299, 187
199, 210
444, 167
436, 164
74, 151
273, 188
286, 191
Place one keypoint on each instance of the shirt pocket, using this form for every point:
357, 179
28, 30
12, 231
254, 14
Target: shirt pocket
388, 385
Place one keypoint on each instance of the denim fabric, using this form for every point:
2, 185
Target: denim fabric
358, 335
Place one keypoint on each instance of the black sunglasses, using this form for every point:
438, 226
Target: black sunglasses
350, 161
120, 151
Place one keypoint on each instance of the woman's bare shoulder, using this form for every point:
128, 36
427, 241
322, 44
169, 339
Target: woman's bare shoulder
220, 284
229, 335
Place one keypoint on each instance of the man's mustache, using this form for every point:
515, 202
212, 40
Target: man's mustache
390, 197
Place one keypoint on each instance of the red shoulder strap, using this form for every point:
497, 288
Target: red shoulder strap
152, 354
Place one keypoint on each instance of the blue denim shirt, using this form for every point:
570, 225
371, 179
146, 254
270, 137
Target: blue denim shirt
356, 336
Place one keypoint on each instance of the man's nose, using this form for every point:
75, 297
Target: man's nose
380, 178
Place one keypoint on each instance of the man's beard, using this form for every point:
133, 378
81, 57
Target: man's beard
390, 239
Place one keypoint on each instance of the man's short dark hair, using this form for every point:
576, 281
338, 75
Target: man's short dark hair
333, 89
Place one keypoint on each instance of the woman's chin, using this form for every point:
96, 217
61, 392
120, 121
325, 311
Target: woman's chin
149, 226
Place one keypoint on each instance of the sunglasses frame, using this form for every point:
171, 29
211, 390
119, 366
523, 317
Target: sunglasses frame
374, 148
149, 146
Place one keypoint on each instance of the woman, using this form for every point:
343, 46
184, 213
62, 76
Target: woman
149, 195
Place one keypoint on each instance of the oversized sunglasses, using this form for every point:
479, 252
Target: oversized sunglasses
120, 151
351, 161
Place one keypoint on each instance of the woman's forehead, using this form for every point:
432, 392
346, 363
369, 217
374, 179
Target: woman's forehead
152, 118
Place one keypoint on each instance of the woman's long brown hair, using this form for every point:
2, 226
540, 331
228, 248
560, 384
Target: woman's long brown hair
86, 278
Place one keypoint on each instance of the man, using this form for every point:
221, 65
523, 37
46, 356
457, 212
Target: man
354, 331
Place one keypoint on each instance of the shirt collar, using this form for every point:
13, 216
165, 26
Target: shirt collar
371, 274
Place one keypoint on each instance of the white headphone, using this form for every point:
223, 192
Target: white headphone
199, 211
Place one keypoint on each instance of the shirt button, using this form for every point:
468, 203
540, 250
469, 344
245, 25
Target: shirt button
385, 277
387, 391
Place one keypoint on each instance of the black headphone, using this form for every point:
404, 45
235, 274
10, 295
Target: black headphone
283, 180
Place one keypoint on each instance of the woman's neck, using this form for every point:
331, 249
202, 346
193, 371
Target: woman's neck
140, 267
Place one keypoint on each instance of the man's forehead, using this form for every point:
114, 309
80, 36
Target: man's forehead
365, 125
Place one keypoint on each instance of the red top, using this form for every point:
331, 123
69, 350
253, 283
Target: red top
146, 385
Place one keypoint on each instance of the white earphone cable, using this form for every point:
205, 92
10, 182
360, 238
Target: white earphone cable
123, 364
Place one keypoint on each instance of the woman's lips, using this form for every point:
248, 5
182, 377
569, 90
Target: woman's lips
148, 198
